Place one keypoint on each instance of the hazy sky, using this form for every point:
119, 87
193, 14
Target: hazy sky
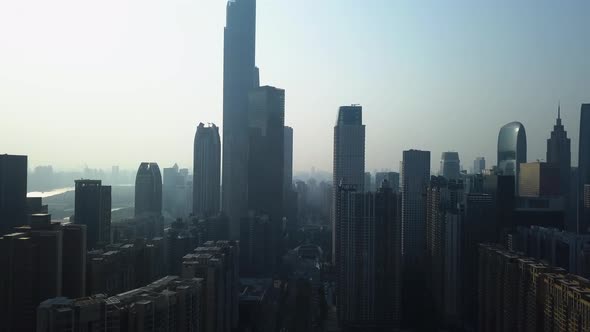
116, 82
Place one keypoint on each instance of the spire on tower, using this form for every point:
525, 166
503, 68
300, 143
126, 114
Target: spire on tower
559, 109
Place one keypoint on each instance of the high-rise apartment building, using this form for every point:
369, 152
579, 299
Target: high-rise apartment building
13, 191
450, 165
511, 150
519, 293
414, 181
443, 244
206, 171
369, 264
148, 190
168, 304
239, 77
217, 263
74, 259
266, 118
349, 160
33, 269
93, 209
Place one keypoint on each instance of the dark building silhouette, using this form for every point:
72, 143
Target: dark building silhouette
414, 180
583, 161
206, 171
511, 150
559, 154
450, 165
479, 226
443, 246
289, 193
266, 118
369, 264
74, 260
288, 163
93, 209
256, 253
167, 304
217, 263
13, 191
415, 174
349, 159
148, 190
34, 269
239, 77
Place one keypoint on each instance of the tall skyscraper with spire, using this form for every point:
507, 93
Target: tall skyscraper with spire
559, 154
240, 75
559, 151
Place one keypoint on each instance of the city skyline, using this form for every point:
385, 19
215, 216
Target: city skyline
170, 90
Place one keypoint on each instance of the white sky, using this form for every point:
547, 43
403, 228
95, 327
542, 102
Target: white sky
117, 82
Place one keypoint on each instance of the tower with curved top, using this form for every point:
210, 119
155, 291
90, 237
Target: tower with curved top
148, 190
511, 150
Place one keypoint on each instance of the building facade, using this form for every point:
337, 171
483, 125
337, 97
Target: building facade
33, 269
13, 191
414, 181
349, 159
369, 265
148, 190
239, 77
539, 180
512, 150
450, 165
266, 121
206, 171
93, 209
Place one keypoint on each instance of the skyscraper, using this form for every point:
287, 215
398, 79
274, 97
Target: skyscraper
479, 164
369, 264
414, 178
148, 190
33, 262
93, 209
74, 259
559, 153
206, 170
583, 159
239, 76
349, 159
511, 150
13, 191
266, 119
450, 166
288, 177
